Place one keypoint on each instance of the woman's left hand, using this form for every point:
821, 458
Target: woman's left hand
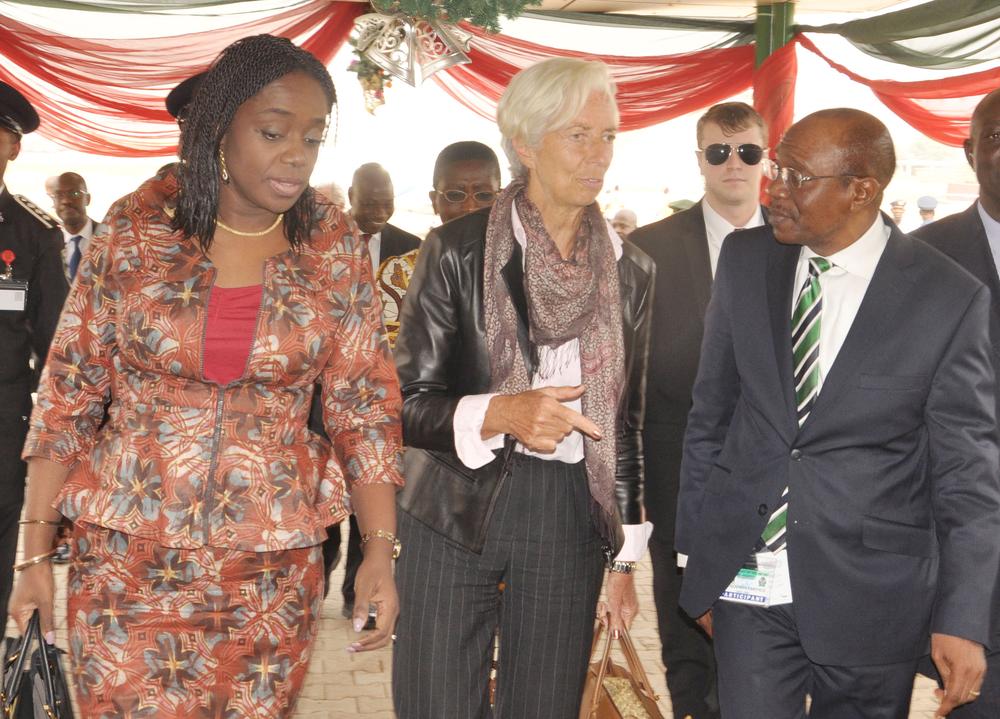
374, 585
622, 605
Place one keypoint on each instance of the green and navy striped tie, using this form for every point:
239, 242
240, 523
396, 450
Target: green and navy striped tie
805, 355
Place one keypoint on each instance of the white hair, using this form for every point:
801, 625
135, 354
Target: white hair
548, 96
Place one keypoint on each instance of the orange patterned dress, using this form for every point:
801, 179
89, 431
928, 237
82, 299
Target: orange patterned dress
198, 507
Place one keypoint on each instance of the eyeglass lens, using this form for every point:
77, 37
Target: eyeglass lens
72, 195
456, 196
717, 153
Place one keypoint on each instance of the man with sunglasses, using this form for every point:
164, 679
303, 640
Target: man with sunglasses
972, 239
685, 246
839, 501
466, 179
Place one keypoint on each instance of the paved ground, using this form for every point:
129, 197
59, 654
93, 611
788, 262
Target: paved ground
344, 686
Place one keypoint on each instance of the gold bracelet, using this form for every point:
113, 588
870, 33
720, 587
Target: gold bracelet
397, 546
41, 521
35, 560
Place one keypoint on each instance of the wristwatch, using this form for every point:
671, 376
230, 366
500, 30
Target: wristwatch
622, 567
397, 546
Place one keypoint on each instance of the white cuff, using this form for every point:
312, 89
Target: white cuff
636, 538
682, 560
471, 448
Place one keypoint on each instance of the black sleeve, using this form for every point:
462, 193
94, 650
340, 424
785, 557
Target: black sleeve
47, 289
427, 339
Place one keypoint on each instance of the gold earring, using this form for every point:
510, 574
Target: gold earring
222, 166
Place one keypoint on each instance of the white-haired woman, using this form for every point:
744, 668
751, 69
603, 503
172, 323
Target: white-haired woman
522, 358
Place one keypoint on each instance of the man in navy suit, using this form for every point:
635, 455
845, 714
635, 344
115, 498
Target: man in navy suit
972, 239
732, 142
840, 510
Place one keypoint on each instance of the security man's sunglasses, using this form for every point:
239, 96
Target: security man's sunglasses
717, 153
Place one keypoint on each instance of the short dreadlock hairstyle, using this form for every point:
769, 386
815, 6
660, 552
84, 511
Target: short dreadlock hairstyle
239, 72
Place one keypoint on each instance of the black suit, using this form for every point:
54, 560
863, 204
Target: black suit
396, 242
393, 243
894, 506
963, 238
678, 245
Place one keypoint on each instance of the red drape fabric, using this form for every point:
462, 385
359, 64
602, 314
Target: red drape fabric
650, 89
940, 108
774, 91
106, 96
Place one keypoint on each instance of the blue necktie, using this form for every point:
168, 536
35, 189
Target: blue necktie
74, 256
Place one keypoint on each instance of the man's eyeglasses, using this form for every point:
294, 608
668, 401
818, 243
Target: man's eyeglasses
718, 152
458, 196
67, 195
792, 177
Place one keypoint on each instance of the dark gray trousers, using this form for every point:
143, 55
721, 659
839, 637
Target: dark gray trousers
763, 672
542, 544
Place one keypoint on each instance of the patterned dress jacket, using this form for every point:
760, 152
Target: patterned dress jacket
187, 462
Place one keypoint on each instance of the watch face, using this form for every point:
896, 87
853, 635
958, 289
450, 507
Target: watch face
397, 549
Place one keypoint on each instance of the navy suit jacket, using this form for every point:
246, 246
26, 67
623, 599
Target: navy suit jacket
894, 505
963, 238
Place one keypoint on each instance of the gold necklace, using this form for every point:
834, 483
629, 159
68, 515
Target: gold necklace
227, 228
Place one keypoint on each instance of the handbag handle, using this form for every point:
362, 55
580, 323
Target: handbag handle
602, 667
14, 675
44, 652
631, 659
635, 666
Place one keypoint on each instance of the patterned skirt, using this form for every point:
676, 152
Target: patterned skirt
162, 632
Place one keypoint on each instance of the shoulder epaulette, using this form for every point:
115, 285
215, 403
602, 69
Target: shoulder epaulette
37, 212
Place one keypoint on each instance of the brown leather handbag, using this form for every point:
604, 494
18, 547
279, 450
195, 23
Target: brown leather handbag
616, 692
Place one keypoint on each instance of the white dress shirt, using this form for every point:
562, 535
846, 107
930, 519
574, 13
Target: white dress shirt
374, 248
717, 228
557, 367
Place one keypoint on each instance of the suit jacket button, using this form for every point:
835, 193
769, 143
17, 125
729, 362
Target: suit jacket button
796, 454
762, 510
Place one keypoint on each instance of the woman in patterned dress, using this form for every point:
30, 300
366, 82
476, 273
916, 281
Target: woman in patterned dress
223, 291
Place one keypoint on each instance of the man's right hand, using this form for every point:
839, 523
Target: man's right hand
34, 589
705, 622
538, 419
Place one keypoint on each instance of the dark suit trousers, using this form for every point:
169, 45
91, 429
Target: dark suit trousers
763, 672
686, 650
13, 430
331, 553
542, 544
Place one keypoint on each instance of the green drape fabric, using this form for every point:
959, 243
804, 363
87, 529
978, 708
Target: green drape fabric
940, 34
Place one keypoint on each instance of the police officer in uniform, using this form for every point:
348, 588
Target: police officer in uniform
32, 291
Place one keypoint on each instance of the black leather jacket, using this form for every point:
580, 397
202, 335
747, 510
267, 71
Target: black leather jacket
441, 356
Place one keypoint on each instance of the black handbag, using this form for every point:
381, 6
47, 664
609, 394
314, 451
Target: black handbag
35, 689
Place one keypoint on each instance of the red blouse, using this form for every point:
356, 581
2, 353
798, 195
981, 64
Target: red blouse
229, 331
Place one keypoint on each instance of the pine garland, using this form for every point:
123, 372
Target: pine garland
485, 13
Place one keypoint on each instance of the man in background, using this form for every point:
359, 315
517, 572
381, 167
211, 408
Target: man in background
898, 209
373, 203
466, 178
732, 142
972, 239
926, 206
624, 223
70, 199
32, 291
